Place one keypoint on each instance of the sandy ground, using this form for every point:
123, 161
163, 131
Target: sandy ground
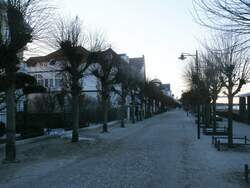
159, 152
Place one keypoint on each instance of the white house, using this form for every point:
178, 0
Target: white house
48, 72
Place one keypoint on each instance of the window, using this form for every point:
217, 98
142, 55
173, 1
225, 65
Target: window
46, 83
39, 79
40, 82
58, 81
51, 83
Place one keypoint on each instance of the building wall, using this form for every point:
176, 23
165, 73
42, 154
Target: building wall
52, 78
166, 89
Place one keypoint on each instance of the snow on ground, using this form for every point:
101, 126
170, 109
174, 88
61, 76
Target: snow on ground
159, 152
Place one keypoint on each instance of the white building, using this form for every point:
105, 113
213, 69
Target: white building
166, 89
48, 72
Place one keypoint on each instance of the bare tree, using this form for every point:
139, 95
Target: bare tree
192, 78
22, 21
129, 82
123, 76
134, 91
70, 39
190, 75
105, 70
234, 66
199, 84
212, 75
225, 15
97, 41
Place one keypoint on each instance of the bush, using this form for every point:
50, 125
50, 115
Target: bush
33, 124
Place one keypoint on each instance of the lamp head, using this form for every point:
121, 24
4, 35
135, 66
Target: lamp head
182, 57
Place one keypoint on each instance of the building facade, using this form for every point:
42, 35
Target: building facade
166, 89
48, 72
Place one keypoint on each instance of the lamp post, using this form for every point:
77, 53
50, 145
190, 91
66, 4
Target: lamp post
183, 57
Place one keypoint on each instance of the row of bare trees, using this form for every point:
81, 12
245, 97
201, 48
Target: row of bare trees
24, 21
224, 63
111, 71
224, 68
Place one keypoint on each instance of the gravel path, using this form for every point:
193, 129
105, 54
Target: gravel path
160, 152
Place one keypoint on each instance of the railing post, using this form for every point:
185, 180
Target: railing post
246, 173
218, 145
245, 140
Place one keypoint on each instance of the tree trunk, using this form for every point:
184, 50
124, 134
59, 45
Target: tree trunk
133, 109
207, 113
105, 114
230, 120
214, 115
75, 110
203, 114
10, 147
147, 107
123, 108
142, 111
150, 108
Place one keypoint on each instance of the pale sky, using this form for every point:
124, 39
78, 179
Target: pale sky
158, 29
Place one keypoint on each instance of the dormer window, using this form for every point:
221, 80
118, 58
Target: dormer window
52, 62
43, 64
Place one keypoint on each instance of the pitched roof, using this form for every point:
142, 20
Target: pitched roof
244, 95
138, 63
57, 55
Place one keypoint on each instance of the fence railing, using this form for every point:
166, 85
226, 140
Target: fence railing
216, 140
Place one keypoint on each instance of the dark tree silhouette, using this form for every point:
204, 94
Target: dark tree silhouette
224, 15
105, 70
128, 79
25, 84
234, 66
70, 40
22, 21
123, 79
212, 75
189, 99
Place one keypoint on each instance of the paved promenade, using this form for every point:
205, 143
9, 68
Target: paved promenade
161, 152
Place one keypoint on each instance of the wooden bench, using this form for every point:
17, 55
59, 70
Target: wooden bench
219, 131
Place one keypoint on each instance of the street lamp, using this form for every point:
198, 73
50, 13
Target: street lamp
183, 57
